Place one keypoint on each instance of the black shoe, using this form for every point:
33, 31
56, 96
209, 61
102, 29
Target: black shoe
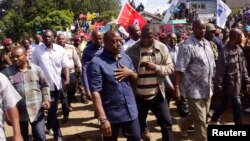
84, 100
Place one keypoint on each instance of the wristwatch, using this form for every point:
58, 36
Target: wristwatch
103, 119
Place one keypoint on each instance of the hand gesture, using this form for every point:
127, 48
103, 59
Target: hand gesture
46, 104
150, 66
106, 128
122, 72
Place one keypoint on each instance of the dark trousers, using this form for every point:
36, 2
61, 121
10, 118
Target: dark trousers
64, 102
52, 114
182, 107
38, 128
159, 106
130, 129
221, 108
72, 88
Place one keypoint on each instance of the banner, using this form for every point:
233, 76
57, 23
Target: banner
223, 11
128, 15
172, 6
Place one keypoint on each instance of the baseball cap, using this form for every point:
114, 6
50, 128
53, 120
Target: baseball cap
210, 27
7, 41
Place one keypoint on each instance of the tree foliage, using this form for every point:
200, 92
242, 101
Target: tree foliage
57, 20
24, 17
13, 25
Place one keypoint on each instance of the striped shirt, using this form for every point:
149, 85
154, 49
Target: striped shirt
147, 85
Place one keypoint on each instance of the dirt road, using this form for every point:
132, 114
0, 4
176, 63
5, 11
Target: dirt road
82, 126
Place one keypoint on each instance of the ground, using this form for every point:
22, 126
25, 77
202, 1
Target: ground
82, 126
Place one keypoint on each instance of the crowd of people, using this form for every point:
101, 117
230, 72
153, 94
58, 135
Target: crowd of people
202, 69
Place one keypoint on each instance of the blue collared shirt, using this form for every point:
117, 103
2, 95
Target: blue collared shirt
117, 97
88, 54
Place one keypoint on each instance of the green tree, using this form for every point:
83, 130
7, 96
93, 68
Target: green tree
13, 25
56, 20
34, 8
25, 17
2, 35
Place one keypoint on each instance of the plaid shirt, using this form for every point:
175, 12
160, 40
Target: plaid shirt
32, 86
231, 71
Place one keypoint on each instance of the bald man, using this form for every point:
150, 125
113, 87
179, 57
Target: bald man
231, 75
110, 75
94, 48
193, 79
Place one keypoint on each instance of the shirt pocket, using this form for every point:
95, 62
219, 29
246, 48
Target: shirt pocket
34, 81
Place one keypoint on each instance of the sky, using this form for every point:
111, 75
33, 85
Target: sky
151, 5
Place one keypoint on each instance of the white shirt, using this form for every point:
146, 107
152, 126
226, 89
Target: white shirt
128, 44
34, 45
51, 62
174, 53
8, 99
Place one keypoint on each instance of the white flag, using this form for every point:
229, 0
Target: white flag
171, 9
223, 11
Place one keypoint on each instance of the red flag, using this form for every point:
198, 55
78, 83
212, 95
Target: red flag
82, 16
128, 15
98, 25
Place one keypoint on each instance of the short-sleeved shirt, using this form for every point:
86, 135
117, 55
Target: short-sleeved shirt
32, 85
117, 97
8, 99
74, 59
196, 61
51, 62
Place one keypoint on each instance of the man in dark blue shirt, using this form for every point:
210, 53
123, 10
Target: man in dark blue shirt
94, 48
110, 75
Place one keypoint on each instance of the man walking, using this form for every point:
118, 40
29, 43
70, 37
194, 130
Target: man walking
231, 75
53, 60
30, 82
153, 62
194, 72
110, 74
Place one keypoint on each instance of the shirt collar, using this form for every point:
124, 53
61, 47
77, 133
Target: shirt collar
53, 47
172, 48
200, 42
155, 44
112, 56
29, 67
